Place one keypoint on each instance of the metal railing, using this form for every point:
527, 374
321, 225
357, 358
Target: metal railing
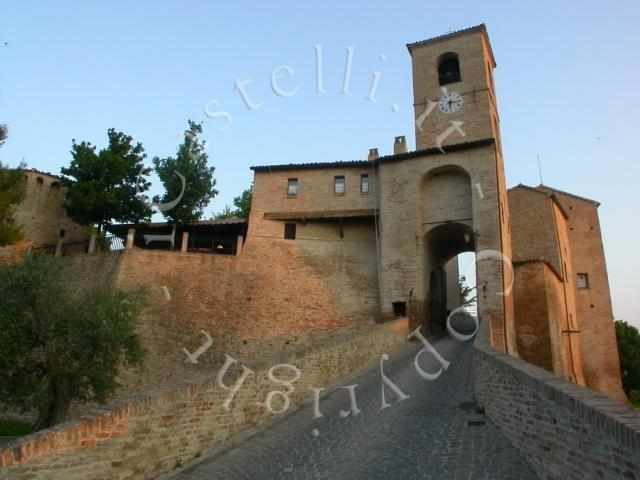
112, 243
212, 244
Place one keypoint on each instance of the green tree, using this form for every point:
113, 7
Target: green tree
466, 293
242, 204
104, 183
225, 213
57, 344
4, 133
629, 350
12, 189
191, 162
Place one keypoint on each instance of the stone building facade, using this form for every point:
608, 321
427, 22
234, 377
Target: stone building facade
390, 224
41, 212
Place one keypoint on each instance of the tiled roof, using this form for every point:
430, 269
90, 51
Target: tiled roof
366, 163
309, 166
478, 28
220, 221
546, 187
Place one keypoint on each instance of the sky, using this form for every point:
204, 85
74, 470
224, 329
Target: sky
567, 87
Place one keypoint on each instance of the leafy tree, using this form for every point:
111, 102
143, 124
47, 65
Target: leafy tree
104, 186
12, 191
466, 293
242, 204
191, 162
629, 349
225, 213
58, 345
4, 133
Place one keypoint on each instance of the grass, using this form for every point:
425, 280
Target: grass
12, 428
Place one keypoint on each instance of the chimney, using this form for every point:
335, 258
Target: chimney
373, 154
400, 145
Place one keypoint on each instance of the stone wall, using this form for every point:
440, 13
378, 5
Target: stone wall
145, 435
564, 430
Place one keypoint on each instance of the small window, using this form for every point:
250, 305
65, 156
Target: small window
583, 280
289, 231
399, 309
62, 232
55, 187
449, 69
364, 183
338, 185
292, 187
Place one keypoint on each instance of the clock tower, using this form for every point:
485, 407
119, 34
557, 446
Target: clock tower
453, 87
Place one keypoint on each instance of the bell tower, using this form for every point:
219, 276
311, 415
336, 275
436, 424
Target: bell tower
453, 89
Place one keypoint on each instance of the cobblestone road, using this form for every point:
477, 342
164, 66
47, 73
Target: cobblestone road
428, 435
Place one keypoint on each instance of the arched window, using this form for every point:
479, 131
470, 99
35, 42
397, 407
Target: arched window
449, 69
40, 181
55, 187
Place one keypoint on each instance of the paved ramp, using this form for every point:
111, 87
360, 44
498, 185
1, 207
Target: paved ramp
435, 433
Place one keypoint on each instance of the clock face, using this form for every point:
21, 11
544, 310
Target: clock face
450, 102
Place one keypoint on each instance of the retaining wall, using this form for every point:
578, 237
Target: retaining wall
145, 435
564, 430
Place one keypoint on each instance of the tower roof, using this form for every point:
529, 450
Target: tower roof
478, 28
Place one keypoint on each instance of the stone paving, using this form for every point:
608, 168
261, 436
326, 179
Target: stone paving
428, 435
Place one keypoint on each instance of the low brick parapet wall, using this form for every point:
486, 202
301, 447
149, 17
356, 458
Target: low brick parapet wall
564, 430
148, 434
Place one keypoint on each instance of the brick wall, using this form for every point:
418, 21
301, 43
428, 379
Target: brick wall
569, 240
595, 315
145, 435
564, 430
11, 254
41, 212
475, 87
274, 297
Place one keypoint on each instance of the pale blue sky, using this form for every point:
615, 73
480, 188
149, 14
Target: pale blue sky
567, 82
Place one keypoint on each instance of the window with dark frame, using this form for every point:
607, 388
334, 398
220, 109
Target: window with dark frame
338, 185
583, 280
289, 231
364, 183
449, 69
292, 187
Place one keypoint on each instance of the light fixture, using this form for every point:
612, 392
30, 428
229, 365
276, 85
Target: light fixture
467, 236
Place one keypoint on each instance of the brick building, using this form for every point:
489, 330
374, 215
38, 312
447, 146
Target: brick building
41, 212
389, 225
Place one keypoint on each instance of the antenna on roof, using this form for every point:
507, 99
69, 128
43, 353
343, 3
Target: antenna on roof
540, 170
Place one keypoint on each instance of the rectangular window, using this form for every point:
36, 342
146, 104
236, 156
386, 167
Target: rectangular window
338, 185
289, 231
364, 183
292, 187
583, 280
399, 309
